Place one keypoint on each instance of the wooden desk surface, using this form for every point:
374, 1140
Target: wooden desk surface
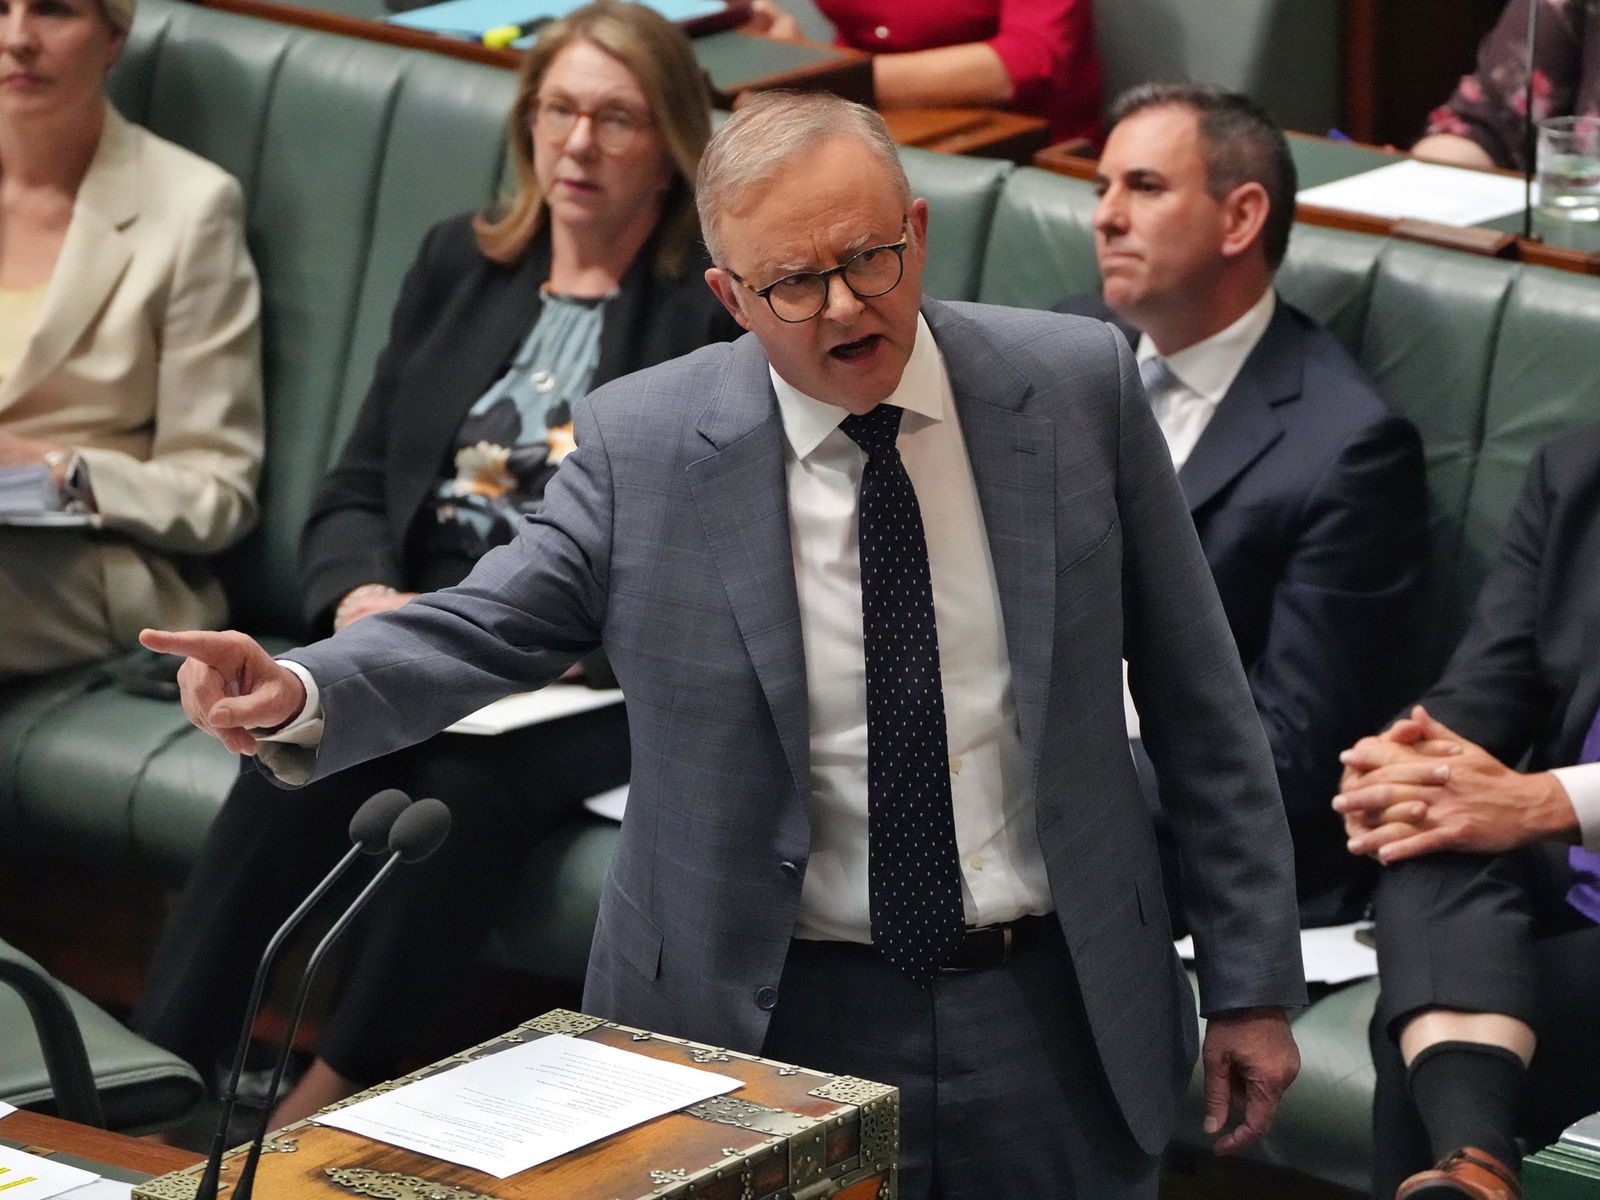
1321, 160
40, 1134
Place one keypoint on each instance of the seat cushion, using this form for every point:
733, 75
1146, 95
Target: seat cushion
142, 1088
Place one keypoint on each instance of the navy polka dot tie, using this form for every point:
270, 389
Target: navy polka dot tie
913, 877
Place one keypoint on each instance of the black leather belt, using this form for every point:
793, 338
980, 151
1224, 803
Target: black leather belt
985, 946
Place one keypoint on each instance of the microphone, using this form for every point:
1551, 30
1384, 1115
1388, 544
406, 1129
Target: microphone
369, 834
1530, 136
417, 832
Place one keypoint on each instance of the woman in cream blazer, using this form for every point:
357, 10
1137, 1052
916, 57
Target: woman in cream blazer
129, 350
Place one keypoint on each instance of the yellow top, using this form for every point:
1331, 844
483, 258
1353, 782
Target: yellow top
19, 314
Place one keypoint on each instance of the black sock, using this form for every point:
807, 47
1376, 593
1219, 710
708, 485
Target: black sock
1468, 1094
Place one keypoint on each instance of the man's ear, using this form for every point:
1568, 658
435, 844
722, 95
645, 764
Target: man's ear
727, 290
1244, 216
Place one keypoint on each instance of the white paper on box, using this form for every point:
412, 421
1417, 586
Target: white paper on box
515, 1109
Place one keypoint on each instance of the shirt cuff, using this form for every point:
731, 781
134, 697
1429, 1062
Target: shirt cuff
306, 729
1583, 789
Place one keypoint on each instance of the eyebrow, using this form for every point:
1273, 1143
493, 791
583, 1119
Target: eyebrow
856, 244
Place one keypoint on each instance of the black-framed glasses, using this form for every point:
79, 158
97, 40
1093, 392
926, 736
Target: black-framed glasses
613, 128
868, 273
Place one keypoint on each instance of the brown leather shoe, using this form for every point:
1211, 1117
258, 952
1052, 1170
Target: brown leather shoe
1465, 1172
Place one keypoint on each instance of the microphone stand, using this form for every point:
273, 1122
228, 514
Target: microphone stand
1530, 135
211, 1180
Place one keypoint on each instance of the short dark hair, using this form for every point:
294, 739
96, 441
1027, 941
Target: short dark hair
1241, 143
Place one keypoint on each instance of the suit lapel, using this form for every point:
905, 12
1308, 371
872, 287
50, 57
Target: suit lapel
1014, 467
93, 257
741, 493
1245, 425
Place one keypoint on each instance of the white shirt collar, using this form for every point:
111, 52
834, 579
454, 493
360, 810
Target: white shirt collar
807, 420
1208, 368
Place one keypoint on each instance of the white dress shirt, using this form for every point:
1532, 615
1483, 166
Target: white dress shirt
1002, 866
1205, 371
1583, 789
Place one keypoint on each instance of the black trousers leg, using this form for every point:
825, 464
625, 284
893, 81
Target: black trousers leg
1484, 934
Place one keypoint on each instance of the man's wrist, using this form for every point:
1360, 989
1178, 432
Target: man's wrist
1557, 813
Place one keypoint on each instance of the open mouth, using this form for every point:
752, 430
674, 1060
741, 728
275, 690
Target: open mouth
859, 348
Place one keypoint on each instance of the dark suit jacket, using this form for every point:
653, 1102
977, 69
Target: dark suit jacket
459, 320
1307, 491
1525, 681
667, 534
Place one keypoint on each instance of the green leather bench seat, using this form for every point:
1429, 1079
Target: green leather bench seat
349, 150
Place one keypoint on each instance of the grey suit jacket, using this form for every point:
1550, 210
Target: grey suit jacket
667, 535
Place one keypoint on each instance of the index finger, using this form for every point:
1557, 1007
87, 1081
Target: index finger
207, 645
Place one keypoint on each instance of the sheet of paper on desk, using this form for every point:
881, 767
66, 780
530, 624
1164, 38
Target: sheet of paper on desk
526, 1105
530, 708
1425, 191
29, 1177
6, 1108
1330, 955
101, 1189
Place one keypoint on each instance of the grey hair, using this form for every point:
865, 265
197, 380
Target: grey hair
767, 133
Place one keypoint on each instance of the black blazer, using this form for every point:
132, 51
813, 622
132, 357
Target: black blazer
1308, 493
456, 326
1525, 681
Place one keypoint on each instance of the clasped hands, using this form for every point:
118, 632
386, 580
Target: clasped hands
1419, 788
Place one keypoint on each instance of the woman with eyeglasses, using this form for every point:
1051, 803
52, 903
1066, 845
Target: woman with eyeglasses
592, 269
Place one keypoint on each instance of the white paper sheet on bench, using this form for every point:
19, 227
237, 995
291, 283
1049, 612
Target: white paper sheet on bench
28, 1177
530, 708
1330, 955
1426, 191
516, 1109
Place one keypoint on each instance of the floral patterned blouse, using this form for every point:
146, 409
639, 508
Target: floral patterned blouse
1489, 105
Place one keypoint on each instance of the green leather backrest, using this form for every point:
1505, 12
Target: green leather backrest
1430, 335
1041, 245
1545, 379
961, 195
347, 151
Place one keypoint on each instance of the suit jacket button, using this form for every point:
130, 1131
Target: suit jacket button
767, 998
790, 869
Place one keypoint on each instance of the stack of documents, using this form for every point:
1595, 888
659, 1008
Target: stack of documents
1423, 191
28, 489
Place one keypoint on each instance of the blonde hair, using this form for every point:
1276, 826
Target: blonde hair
658, 54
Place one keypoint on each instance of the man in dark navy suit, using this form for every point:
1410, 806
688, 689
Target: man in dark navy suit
1305, 487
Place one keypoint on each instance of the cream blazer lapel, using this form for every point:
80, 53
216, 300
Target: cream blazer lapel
93, 258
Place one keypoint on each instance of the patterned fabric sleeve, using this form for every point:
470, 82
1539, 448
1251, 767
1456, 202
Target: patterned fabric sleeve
1489, 106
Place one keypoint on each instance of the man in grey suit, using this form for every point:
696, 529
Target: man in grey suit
883, 820
1305, 487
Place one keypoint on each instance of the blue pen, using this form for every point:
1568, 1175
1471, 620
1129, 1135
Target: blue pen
1336, 135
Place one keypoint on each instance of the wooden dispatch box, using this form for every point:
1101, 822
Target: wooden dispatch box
788, 1134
